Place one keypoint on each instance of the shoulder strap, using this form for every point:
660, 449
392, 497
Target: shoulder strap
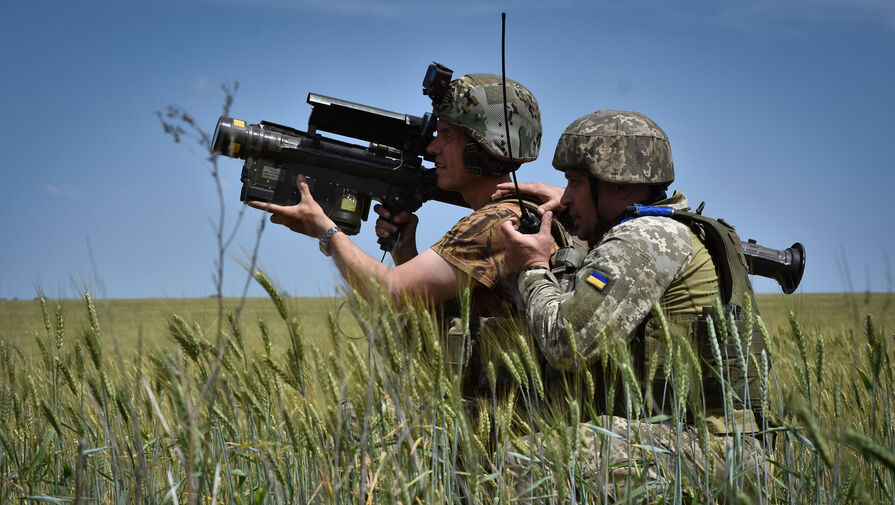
727, 250
723, 244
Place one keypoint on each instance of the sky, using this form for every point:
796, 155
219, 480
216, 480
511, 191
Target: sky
779, 115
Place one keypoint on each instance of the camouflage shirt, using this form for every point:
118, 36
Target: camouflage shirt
475, 246
617, 283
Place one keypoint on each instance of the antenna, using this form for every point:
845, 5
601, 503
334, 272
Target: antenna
528, 222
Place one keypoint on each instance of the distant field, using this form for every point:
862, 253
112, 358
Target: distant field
831, 313
124, 320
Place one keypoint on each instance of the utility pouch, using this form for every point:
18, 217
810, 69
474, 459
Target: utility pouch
742, 382
734, 353
466, 354
564, 266
458, 347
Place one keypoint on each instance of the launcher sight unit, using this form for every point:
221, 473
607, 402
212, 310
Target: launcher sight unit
343, 177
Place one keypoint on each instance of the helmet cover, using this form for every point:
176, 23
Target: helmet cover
475, 103
621, 147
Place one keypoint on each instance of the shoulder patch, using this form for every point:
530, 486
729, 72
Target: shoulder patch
597, 280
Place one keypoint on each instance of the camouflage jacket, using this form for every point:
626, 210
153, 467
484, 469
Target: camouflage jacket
617, 283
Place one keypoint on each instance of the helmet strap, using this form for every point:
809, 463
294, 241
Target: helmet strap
479, 162
603, 225
659, 193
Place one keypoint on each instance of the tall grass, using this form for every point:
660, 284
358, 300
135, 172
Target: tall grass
387, 422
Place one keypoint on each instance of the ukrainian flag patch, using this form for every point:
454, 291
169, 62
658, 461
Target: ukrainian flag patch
597, 280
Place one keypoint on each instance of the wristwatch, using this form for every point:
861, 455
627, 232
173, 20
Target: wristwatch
327, 236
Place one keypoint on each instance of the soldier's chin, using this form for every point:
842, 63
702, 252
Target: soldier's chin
444, 184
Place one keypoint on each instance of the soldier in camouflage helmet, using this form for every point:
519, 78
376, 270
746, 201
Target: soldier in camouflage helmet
475, 103
615, 146
473, 154
645, 251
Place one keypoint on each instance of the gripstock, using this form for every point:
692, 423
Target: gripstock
343, 177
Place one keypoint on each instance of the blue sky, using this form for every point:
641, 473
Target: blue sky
779, 114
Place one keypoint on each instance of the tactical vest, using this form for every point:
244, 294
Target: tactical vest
720, 242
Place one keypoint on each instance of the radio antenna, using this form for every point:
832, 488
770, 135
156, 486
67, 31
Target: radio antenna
528, 222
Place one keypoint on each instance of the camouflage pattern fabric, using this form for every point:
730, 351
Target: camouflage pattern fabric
616, 456
639, 259
622, 147
475, 244
476, 247
475, 103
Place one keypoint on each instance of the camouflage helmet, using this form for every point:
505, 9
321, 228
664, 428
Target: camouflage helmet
475, 103
617, 146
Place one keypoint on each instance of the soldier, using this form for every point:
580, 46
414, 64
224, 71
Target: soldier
645, 249
472, 157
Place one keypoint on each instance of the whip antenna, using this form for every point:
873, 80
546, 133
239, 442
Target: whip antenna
528, 222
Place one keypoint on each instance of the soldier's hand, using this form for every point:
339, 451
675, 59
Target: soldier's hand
528, 250
549, 195
306, 218
404, 223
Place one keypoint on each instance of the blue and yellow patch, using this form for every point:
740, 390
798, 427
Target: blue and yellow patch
597, 280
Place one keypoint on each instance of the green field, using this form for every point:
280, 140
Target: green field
831, 313
123, 321
304, 412
838, 318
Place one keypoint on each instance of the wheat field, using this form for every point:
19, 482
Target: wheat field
349, 401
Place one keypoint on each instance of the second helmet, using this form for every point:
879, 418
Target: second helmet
617, 146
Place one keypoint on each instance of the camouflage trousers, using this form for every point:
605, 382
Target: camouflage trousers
638, 462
